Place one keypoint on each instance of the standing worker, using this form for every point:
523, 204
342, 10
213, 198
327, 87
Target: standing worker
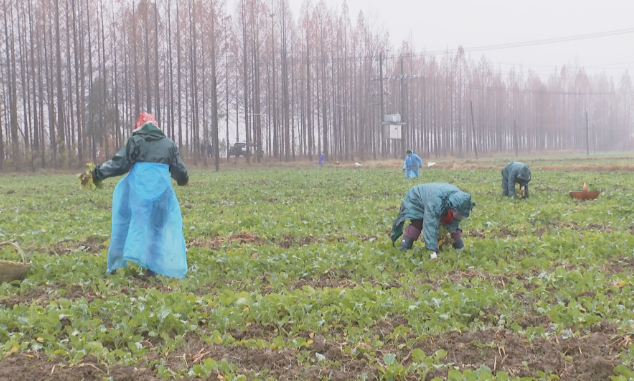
427, 206
321, 160
147, 225
411, 165
515, 173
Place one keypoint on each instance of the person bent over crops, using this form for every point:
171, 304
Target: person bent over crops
515, 173
147, 225
430, 209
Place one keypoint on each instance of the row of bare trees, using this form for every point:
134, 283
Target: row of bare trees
76, 73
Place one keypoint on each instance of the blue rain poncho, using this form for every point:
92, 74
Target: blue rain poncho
147, 226
411, 165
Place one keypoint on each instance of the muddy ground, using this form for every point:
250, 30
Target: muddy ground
589, 357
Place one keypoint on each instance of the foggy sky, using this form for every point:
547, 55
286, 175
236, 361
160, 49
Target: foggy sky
440, 24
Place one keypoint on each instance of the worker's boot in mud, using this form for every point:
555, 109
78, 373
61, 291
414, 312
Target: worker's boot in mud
406, 243
457, 239
410, 235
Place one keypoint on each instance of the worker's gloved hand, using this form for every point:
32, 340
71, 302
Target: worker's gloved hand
457, 239
433, 255
95, 179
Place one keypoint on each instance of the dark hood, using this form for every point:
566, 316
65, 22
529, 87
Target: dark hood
461, 201
150, 132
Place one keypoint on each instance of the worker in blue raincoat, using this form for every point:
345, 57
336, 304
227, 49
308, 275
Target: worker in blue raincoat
411, 165
515, 173
147, 225
427, 206
321, 160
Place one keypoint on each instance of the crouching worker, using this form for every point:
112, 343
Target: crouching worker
428, 206
515, 173
147, 226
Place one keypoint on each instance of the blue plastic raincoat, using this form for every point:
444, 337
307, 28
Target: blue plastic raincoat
411, 165
147, 226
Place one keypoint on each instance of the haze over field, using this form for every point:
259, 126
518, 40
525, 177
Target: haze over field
299, 78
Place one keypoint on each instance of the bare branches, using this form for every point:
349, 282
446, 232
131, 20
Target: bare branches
292, 86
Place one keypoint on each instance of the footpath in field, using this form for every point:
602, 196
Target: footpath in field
292, 276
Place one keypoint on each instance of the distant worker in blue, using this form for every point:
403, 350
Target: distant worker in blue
411, 165
515, 173
321, 160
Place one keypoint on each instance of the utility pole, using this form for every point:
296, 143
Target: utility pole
515, 140
587, 136
475, 142
383, 150
385, 147
403, 134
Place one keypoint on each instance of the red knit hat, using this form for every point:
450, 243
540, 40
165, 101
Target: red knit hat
144, 118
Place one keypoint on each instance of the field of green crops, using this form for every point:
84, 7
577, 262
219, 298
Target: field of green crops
292, 276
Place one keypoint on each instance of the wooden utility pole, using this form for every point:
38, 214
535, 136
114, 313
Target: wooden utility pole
403, 135
515, 140
587, 136
475, 142
383, 145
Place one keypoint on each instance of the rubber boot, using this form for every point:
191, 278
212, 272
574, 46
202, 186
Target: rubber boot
410, 235
457, 239
406, 243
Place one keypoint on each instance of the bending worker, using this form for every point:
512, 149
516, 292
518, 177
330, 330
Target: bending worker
427, 206
515, 173
411, 165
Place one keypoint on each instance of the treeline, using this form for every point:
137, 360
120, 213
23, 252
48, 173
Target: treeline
76, 73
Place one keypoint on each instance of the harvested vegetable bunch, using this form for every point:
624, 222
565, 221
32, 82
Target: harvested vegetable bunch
86, 180
444, 237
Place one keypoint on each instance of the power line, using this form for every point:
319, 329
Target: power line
493, 47
541, 42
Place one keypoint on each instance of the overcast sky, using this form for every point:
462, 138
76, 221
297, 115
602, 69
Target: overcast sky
440, 24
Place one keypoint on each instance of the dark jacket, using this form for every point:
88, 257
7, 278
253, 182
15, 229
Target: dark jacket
148, 145
514, 173
430, 203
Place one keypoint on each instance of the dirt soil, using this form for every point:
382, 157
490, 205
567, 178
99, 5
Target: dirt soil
92, 245
41, 295
21, 367
590, 357
281, 365
339, 278
286, 241
241, 238
469, 165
